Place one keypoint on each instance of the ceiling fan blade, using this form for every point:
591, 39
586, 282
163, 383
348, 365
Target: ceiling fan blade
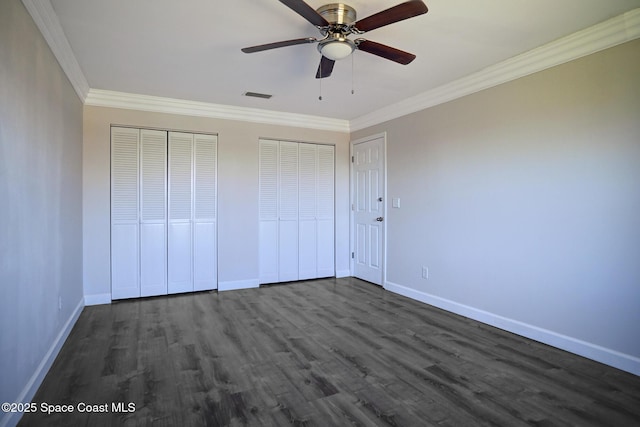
384, 51
325, 68
306, 11
396, 13
276, 45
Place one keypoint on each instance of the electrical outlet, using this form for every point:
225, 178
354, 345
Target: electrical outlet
425, 272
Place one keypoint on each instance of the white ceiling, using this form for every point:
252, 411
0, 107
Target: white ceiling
190, 49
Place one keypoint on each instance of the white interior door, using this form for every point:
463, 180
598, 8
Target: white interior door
368, 209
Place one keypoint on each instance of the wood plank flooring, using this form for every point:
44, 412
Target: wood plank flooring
333, 352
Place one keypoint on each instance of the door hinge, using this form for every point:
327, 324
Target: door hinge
353, 255
352, 159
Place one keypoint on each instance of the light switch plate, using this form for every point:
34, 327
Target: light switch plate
395, 202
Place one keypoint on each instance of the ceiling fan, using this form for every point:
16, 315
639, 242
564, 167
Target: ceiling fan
336, 21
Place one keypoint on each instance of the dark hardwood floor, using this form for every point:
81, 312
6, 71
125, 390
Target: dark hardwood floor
331, 352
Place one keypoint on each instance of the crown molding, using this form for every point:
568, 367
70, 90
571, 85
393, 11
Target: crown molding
47, 22
129, 101
615, 31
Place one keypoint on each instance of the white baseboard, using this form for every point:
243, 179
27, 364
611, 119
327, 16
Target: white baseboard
591, 351
343, 273
233, 285
27, 393
97, 299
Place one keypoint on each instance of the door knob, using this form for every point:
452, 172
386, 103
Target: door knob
379, 219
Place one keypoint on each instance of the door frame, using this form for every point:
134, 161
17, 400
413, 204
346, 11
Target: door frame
352, 230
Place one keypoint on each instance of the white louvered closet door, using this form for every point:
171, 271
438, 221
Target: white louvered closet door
204, 217
153, 211
268, 234
124, 213
288, 212
307, 201
180, 253
325, 211
163, 212
296, 211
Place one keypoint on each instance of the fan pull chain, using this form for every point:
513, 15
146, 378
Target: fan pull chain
320, 97
352, 61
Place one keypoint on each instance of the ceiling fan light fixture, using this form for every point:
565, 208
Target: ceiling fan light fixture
337, 48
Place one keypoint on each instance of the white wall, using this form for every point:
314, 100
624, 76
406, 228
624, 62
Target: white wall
40, 208
237, 191
524, 202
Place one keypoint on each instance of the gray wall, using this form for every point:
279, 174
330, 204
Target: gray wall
40, 204
523, 201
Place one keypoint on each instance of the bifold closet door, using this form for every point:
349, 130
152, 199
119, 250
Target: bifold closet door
192, 212
138, 212
296, 211
316, 211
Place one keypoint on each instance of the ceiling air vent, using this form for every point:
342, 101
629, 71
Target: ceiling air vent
258, 95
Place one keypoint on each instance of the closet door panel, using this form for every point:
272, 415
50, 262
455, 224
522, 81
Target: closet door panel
205, 194
325, 212
124, 213
307, 198
288, 212
268, 228
153, 207
180, 255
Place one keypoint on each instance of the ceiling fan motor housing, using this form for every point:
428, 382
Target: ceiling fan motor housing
336, 45
338, 13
